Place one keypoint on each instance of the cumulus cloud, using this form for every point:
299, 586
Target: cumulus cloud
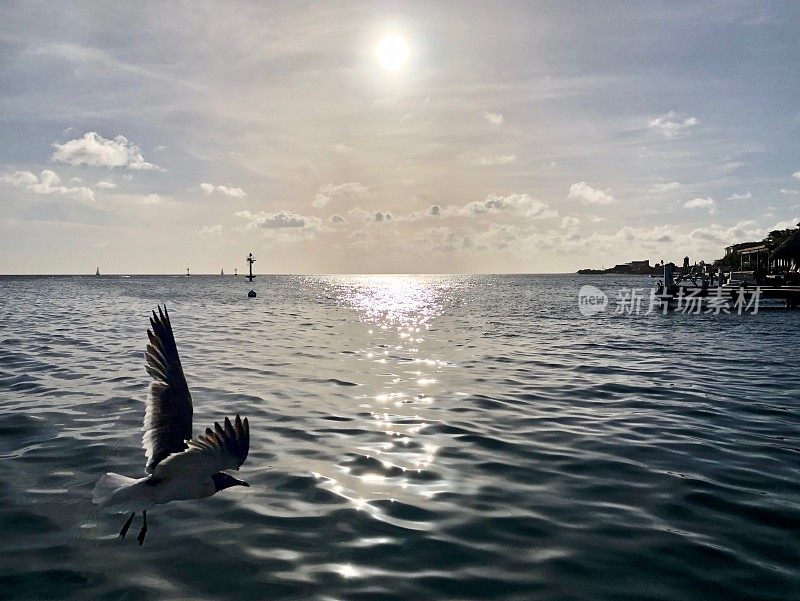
520, 204
588, 195
672, 125
105, 185
151, 199
664, 187
493, 118
276, 221
745, 196
787, 192
701, 202
796, 175
789, 224
211, 230
499, 159
207, 188
569, 222
94, 150
328, 192
432, 211
48, 182
343, 149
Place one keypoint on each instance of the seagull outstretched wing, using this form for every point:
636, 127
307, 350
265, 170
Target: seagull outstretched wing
223, 448
168, 415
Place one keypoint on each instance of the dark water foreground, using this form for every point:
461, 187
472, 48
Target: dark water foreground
425, 438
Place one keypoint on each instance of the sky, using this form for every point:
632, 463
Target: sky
385, 137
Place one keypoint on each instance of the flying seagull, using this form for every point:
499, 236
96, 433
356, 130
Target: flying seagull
178, 466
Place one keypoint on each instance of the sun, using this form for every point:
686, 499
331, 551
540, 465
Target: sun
392, 52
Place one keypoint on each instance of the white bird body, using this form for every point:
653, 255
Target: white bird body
179, 466
141, 494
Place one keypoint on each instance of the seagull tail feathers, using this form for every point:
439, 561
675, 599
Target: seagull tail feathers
108, 487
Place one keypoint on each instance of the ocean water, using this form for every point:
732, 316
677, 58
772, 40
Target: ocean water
413, 437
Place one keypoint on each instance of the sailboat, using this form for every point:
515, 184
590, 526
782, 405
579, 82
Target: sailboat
222, 272
98, 271
187, 271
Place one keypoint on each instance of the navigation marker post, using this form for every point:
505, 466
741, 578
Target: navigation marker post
250, 277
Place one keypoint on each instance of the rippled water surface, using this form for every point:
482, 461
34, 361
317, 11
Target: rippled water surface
413, 437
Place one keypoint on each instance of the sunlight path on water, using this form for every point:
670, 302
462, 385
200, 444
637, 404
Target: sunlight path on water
402, 374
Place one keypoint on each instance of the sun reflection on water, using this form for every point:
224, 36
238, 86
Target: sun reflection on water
402, 376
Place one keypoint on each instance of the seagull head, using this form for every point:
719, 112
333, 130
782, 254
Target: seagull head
222, 481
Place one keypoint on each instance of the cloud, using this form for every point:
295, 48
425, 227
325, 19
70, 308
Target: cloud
585, 193
569, 222
328, 192
664, 187
105, 185
520, 204
745, 196
48, 182
343, 149
94, 150
796, 175
787, 192
500, 159
211, 230
493, 118
432, 211
704, 202
151, 199
336, 219
789, 224
275, 221
672, 125
207, 188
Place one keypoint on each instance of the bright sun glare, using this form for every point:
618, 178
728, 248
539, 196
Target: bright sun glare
392, 52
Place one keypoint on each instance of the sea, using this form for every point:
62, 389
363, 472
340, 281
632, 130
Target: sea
413, 437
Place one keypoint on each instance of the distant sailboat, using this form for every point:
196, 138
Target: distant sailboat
187, 271
235, 271
222, 272
98, 271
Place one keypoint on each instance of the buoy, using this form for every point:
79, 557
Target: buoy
251, 294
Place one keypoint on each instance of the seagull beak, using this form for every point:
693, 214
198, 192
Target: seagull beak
243, 483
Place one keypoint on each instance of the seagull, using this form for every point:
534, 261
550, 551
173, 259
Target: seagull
178, 466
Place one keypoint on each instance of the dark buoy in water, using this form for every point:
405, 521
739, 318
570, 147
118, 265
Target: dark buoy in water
251, 294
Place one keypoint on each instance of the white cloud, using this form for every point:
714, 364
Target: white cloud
151, 199
585, 193
105, 185
796, 175
664, 187
789, 224
94, 150
47, 182
569, 222
788, 192
279, 220
211, 230
520, 204
207, 188
328, 192
493, 118
500, 159
343, 149
701, 202
672, 125
745, 196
